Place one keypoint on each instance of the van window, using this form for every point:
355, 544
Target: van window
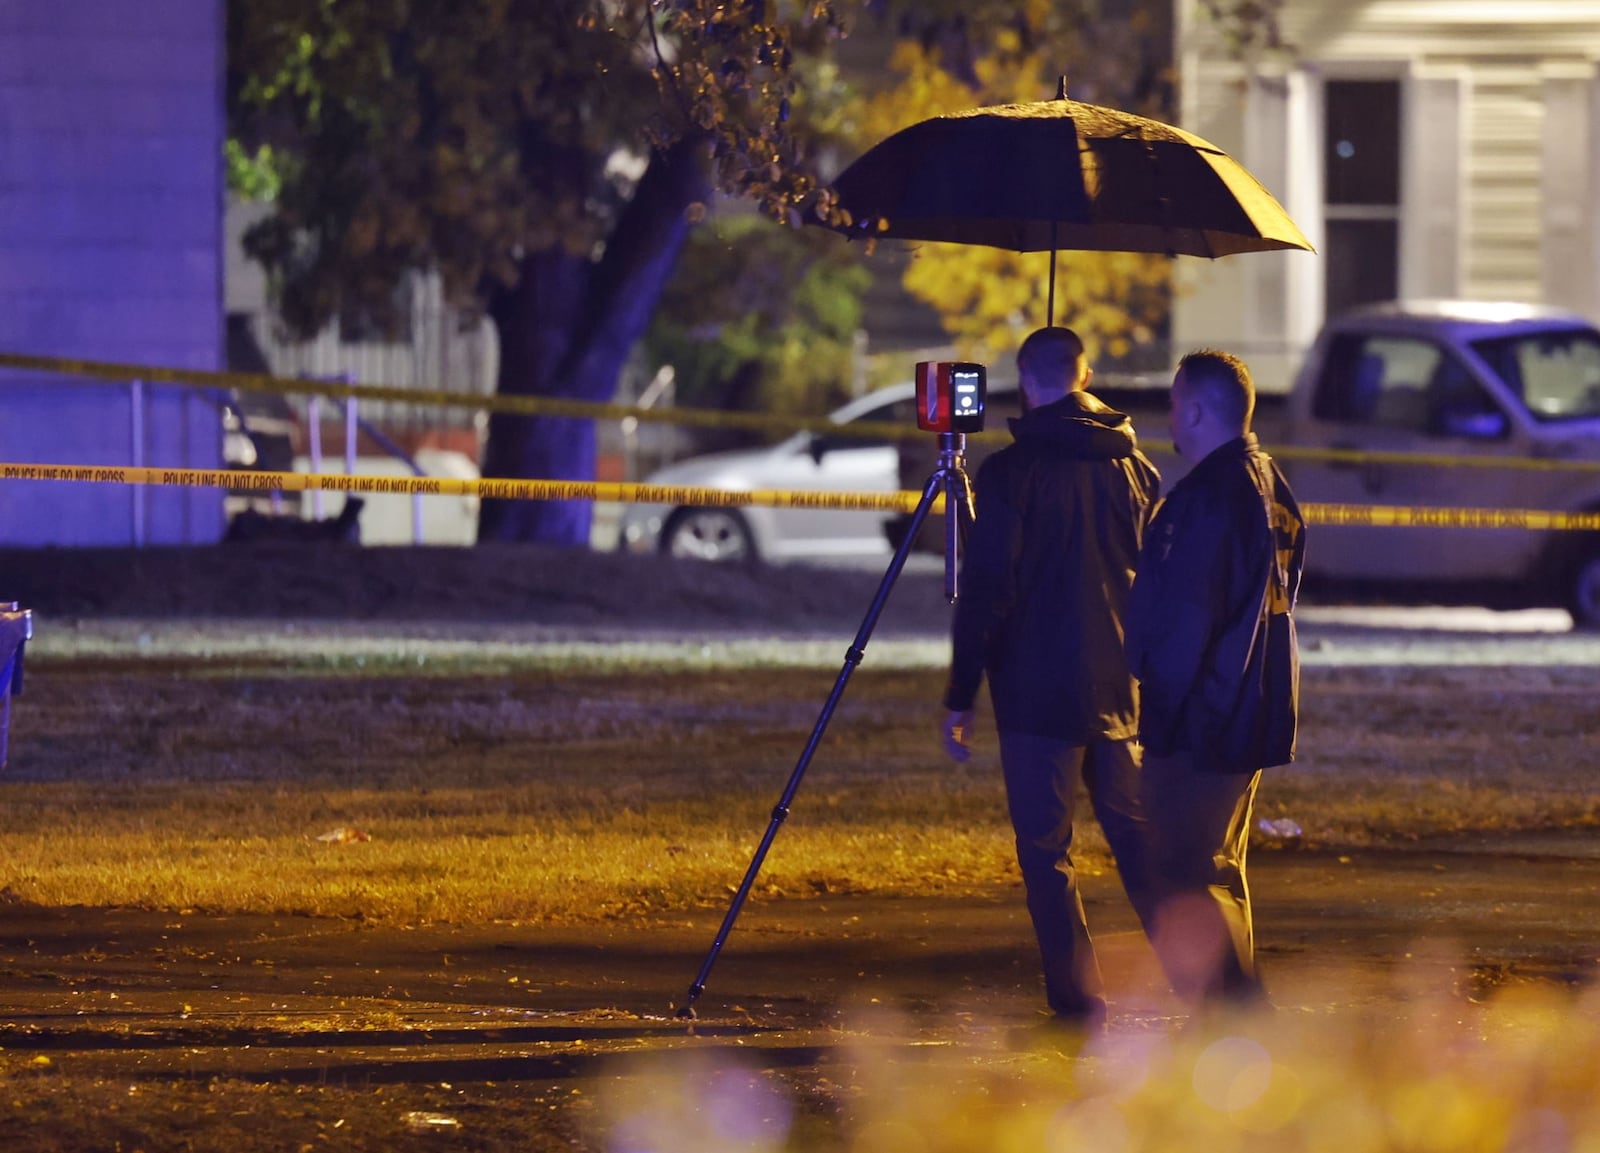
1556, 374
1404, 383
1375, 380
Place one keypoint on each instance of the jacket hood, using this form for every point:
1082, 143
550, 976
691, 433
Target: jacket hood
1080, 425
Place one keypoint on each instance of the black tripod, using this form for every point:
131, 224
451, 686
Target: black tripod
949, 478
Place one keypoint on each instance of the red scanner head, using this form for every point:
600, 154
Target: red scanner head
950, 396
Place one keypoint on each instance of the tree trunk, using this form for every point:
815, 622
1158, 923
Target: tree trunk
566, 330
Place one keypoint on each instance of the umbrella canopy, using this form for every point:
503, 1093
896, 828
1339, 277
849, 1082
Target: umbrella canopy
1061, 174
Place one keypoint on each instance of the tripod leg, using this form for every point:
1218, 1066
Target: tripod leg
952, 536
853, 657
957, 499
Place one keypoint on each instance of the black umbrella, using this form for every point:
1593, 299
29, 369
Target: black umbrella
1059, 174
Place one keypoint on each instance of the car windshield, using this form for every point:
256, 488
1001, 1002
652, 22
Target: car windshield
1556, 374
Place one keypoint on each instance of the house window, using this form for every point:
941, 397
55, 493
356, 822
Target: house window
1361, 157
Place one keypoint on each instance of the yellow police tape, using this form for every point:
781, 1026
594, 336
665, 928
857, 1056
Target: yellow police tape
684, 495
511, 405
694, 417
1406, 516
620, 492
1427, 459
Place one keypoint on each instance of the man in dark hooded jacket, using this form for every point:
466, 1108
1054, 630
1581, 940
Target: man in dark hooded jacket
1048, 566
1211, 640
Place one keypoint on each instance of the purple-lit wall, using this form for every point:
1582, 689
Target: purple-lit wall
111, 131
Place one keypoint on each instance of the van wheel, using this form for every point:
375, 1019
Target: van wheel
1583, 592
716, 534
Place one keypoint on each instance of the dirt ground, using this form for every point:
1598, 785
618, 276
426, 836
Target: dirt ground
157, 993
137, 1029
160, 997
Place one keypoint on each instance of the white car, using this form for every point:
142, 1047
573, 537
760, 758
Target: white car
804, 461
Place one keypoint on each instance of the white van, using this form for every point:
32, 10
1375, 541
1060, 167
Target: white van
1481, 382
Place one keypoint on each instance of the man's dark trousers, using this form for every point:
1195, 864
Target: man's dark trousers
1042, 776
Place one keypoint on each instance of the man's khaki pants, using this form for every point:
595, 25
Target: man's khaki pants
1199, 826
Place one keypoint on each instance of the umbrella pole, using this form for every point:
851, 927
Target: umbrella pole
1050, 314
1050, 309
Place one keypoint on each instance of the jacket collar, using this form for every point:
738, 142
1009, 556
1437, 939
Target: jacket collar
1079, 425
1220, 457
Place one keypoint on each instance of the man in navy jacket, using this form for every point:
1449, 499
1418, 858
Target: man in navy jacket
1211, 639
1048, 566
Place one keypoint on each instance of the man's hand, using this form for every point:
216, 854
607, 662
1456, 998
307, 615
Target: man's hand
956, 731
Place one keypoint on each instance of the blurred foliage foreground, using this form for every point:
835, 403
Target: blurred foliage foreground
1435, 1075
1430, 1072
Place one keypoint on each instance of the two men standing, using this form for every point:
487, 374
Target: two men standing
1053, 614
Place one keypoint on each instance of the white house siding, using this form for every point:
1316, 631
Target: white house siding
1503, 182
1569, 245
111, 129
1434, 192
1253, 303
1500, 155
